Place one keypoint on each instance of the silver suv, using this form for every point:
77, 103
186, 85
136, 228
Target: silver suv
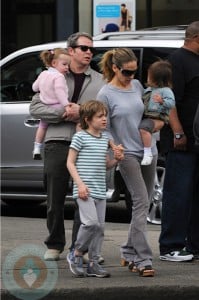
21, 176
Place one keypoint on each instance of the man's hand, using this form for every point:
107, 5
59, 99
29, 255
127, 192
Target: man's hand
72, 112
180, 144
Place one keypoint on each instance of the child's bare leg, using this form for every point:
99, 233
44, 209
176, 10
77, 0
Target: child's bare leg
40, 135
39, 138
146, 136
146, 139
158, 124
146, 128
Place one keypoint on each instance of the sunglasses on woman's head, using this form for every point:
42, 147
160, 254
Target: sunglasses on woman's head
127, 73
85, 48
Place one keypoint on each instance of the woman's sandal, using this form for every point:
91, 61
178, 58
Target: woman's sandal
132, 267
146, 271
124, 262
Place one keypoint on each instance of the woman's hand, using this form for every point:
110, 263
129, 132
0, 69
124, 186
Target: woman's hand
118, 152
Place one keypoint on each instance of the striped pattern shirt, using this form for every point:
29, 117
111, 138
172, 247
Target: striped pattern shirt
91, 162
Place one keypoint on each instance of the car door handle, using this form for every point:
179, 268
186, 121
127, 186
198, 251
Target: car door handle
31, 122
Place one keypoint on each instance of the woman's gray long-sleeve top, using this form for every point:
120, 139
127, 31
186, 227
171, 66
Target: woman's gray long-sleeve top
125, 111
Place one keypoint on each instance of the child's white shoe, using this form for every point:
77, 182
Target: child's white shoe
147, 160
37, 154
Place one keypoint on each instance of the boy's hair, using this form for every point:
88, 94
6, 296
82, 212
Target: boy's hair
88, 110
161, 73
47, 56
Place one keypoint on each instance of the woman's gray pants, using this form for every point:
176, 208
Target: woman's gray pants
139, 181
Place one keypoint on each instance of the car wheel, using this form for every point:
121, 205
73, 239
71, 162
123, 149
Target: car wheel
155, 209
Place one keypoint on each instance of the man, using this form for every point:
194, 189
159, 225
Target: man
179, 238
83, 84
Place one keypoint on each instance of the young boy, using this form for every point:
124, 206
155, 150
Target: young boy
87, 163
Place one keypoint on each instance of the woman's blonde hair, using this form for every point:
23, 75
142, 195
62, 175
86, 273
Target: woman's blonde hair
118, 56
88, 110
47, 56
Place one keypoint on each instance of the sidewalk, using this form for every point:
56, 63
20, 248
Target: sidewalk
171, 281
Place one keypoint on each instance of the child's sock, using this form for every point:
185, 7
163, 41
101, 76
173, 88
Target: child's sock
37, 146
147, 151
148, 157
37, 151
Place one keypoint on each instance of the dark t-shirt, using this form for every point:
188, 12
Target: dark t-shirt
79, 80
185, 68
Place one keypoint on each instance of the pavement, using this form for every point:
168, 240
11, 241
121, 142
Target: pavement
172, 280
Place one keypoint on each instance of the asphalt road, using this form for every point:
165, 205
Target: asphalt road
172, 281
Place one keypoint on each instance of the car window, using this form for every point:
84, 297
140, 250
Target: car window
17, 77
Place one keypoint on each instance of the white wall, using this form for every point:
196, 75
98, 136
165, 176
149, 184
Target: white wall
85, 15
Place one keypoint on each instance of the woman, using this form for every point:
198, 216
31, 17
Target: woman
123, 97
124, 24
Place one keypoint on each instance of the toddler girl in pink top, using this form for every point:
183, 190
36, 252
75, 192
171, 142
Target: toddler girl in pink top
52, 86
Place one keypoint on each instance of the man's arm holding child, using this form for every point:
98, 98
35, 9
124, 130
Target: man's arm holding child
51, 113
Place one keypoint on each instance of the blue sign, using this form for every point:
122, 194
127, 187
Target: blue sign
108, 11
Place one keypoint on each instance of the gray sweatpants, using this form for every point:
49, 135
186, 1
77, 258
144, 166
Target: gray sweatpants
139, 181
91, 232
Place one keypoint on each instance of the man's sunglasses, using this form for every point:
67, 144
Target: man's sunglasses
85, 48
127, 73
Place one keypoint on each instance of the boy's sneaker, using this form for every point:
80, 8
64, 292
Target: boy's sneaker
95, 270
69, 256
147, 160
177, 256
75, 264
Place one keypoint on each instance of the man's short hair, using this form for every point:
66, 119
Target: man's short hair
73, 38
192, 30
